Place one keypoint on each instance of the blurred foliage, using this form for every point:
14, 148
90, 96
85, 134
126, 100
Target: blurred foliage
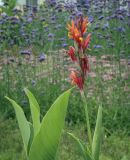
8, 6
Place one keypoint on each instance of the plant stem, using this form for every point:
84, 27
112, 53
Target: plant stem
87, 118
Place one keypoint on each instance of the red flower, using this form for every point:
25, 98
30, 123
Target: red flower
82, 24
86, 41
84, 65
71, 53
77, 30
77, 80
74, 33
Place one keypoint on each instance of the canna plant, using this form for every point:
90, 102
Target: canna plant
39, 143
77, 31
41, 138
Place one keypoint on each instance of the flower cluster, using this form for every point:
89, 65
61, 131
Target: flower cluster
77, 32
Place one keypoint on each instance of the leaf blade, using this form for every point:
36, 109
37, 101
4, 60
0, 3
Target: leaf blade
84, 152
22, 122
35, 111
97, 135
45, 144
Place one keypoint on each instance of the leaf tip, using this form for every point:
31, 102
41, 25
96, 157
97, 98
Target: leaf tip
6, 97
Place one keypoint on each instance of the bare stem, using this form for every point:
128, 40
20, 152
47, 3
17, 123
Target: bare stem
87, 117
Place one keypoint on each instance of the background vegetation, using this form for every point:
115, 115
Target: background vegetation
33, 48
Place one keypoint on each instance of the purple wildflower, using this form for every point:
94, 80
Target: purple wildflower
97, 46
64, 45
101, 17
25, 52
42, 57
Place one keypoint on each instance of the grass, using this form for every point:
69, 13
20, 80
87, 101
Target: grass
114, 147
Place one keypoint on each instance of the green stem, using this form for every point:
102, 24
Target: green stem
87, 117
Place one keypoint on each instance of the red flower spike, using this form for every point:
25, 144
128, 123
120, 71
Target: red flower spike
76, 31
77, 80
84, 65
71, 53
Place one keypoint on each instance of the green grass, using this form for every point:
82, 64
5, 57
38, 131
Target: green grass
114, 147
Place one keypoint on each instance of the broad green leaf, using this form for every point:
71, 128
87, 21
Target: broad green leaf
85, 153
124, 158
97, 135
45, 144
35, 111
23, 123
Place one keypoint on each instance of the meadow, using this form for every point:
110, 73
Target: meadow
33, 55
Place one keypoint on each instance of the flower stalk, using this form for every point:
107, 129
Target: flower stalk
87, 118
77, 32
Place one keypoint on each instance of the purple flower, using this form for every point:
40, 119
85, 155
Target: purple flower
79, 14
51, 2
42, 57
91, 19
113, 16
120, 17
26, 52
105, 26
101, 17
53, 17
30, 19
50, 35
121, 29
108, 18
62, 39
64, 45
128, 15
97, 46
16, 10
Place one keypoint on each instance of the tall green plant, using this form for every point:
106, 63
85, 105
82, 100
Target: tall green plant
41, 138
77, 31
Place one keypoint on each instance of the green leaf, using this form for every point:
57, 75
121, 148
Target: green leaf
45, 144
35, 111
97, 135
124, 158
12, 4
31, 137
23, 123
85, 152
